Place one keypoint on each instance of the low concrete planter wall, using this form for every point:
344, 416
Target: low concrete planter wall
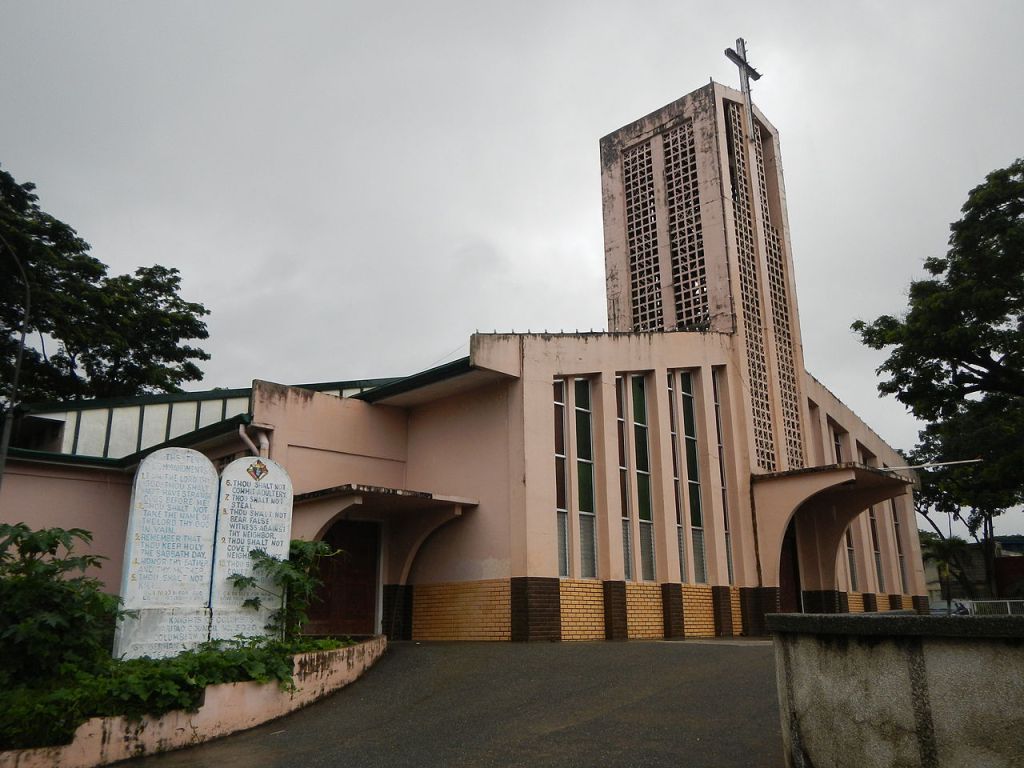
226, 709
895, 689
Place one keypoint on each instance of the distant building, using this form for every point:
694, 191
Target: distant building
1014, 543
1009, 573
679, 475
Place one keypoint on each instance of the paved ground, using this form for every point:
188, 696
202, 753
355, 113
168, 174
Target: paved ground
540, 704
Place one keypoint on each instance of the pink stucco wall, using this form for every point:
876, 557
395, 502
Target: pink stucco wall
487, 444
325, 441
856, 436
600, 357
49, 495
462, 446
538, 359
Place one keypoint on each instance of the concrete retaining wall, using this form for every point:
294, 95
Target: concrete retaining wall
226, 709
899, 689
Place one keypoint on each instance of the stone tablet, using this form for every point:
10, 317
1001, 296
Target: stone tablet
169, 545
162, 632
254, 512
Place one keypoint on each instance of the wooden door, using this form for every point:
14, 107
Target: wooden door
348, 597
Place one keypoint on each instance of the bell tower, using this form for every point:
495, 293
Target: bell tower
697, 239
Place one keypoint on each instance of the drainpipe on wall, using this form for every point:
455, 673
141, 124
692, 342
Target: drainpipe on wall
264, 441
248, 441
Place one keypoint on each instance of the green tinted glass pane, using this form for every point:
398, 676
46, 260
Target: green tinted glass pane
583, 393
560, 483
689, 428
696, 515
643, 493
691, 460
639, 400
560, 429
624, 492
585, 473
642, 459
686, 383
583, 449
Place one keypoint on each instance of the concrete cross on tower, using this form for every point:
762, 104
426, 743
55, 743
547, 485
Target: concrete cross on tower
739, 58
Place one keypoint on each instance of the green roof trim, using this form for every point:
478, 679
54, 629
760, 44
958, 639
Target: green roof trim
126, 462
198, 435
154, 399
417, 380
49, 457
356, 384
178, 397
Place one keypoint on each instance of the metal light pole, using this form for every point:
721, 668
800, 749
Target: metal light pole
12, 397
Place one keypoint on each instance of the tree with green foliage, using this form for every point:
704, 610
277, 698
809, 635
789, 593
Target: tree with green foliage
950, 555
963, 333
956, 357
991, 429
52, 616
90, 334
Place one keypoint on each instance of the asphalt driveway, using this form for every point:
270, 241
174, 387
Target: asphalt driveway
540, 704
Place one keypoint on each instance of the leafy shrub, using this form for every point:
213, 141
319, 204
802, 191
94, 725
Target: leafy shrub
295, 580
56, 631
48, 716
51, 620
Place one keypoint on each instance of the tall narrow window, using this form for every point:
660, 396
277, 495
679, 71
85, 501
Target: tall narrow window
561, 480
715, 384
837, 444
677, 482
877, 550
899, 546
627, 526
693, 477
851, 562
865, 458
642, 465
585, 480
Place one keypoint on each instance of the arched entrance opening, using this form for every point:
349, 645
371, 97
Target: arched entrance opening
789, 572
347, 603
801, 516
366, 587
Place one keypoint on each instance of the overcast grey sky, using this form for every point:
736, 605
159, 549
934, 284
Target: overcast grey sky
353, 188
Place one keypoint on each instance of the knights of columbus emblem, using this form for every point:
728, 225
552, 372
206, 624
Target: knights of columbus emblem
258, 470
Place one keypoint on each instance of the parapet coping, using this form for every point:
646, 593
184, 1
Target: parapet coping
896, 624
227, 708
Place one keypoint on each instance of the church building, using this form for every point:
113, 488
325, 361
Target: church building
680, 475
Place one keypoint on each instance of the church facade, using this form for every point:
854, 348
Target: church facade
680, 475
